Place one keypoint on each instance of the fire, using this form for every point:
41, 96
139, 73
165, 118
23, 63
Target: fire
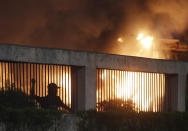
146, 90
146, 41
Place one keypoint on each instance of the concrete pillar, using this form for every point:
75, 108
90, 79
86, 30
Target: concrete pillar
78, 88
90, 88
171, 92
181, 92
83, 88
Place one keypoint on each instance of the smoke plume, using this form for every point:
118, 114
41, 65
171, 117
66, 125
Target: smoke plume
92, 25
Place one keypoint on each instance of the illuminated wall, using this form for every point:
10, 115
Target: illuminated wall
144, 91
20, 75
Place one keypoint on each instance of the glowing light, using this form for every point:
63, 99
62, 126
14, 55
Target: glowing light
140, 36
120, 40
146, 41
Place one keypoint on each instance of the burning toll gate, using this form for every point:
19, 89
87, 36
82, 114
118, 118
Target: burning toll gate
89, 80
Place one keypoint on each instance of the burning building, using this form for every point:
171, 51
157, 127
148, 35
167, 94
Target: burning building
89, 80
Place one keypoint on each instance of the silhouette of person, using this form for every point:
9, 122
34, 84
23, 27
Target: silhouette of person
51, 101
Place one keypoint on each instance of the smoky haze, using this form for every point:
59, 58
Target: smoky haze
92, 25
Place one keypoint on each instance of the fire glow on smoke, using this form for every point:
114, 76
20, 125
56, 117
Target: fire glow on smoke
146, 41
141, 45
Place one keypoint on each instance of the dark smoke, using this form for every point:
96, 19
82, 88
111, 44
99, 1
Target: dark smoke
92, 25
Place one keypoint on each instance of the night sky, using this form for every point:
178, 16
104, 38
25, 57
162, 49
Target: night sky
92, 25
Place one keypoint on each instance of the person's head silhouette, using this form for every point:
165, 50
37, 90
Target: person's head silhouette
52, 90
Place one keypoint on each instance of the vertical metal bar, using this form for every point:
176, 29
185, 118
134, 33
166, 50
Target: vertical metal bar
147, 91
17, 75
33, 72
138, 92
133, 89
61, 72
99, 95
20, 76
53, 74
39, 80
150, 99
156, 93
159, 92
8, 76
147, 98
45, 79
101, 86
36, 78
141, 100
151, 106
68, 87
124, 86
145, 81
126, 79
141, 94
5, 75
105, 85
114, 87
121, 86
48, 74
162, 92
30, 77
97, 90
156, 89
42, 77
151, 87
11, 73
144, 89
2, 74
62, 82
153, 91
166, 104
23, 78
14, 70
154, 101
56, 68
110, 87
10, 64
65, 85
59, 76
27, 78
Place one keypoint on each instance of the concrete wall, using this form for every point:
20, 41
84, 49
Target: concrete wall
67, 122
89, 61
